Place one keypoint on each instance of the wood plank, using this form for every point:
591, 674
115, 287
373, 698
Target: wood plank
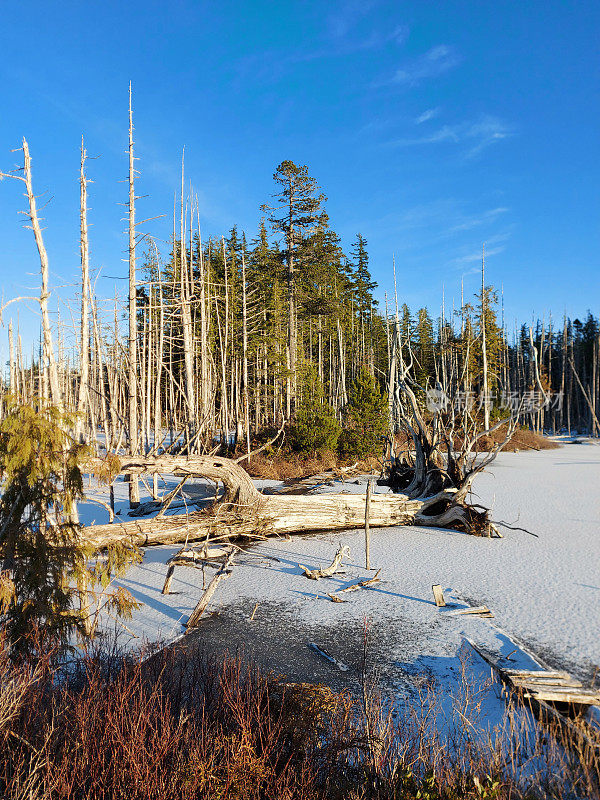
544, 708
564, 694
546, 681
547, 673
438, 595
482, 610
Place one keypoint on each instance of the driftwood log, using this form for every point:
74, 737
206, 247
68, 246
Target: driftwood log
243, 511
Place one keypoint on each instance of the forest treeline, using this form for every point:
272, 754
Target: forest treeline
229, 337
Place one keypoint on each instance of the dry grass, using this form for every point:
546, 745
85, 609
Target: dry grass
284, 465
176, 728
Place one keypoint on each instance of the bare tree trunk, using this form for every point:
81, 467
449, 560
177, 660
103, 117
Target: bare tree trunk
55, 392
243, 511
245, 357
134, 489
186, 324
486, 407
11, 355
108, 429
84, 389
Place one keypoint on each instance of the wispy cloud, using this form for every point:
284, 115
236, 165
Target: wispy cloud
494, 245
431, 113
349, 30
482, 219
461, 262
341, 46
434, 62
475, 134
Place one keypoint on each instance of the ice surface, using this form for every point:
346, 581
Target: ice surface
544, 591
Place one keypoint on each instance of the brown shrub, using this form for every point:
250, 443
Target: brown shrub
176, 728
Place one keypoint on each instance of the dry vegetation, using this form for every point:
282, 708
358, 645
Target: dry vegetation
284, 465
180, 728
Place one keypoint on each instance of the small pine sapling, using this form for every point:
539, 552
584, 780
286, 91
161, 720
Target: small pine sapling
47, 578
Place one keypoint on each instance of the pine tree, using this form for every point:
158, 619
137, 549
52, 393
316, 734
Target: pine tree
365, 418
298, 209
315, 427
46, 582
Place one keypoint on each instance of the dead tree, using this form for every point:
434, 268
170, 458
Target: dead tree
83, 397
32, 214
134, 492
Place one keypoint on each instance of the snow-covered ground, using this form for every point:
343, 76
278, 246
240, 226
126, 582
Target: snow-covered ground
544, 591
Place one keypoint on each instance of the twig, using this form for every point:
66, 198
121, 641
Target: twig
263, 447
515, 528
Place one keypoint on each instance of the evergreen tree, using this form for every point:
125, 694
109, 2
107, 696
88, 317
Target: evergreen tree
45, 580
363, 284
493, 338
424, 347
365, 419
315, 427
297, 211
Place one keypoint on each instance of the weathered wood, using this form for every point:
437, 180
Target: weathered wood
355, 587
362, 584
317, 574
169, 579
335, 599
320, 651
438, 595
238, 484
478, 610
546, 710
243, 511
563, 694
223, 573
367, 534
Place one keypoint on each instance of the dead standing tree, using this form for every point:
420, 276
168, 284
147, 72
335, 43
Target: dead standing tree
134, 491
444, 463
48, 347
440, 467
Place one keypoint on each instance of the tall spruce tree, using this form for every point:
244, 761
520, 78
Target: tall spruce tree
297, 210
362, 282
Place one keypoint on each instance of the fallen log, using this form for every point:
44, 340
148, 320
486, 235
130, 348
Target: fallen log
243, 511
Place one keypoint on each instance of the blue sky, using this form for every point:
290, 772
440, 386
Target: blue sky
431, 127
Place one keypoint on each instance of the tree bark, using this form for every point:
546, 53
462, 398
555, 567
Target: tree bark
134, 492
244, 511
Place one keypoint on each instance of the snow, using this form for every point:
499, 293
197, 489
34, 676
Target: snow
544, 591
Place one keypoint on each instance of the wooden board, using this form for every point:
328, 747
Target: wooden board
563, 694
545, 680
438, 595
542, 695
482, 611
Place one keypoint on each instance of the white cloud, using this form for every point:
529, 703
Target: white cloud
475, 134
431, 113
463, 261
482, 219
434, 62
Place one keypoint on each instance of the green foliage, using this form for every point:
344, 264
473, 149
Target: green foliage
315, 427
366, 418
45, 574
